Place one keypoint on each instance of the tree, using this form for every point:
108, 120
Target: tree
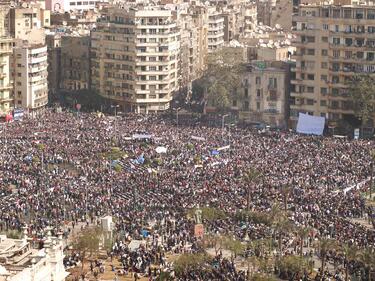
350, 253
283, 226
292, 266
190, 262
362, 92
302, 232
251, 177
323, 247
367, 258
285, 191
87, 243
234, 246
223, 77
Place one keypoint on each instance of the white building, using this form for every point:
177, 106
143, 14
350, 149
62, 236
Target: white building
30, 77
135, 58
20, 262
6, 100
215, 30
71, 5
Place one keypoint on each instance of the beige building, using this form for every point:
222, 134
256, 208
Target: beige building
26, 21
215, 30
334, 43
6, 95
266, 93
194, 45
75, 62
135, 56
30, 77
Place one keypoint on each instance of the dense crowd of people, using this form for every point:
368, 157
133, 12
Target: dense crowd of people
147, 173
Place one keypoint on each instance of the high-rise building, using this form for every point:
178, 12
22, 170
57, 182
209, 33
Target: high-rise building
215, 30
135, 57
30, 77
193, 28
334, 43
6, 99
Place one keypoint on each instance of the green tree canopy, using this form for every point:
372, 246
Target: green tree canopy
362, 92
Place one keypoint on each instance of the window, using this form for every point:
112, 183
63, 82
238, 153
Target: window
258, 105
246, 105
325, 26
310, 102
324, 65
246, 93
325, 39
311, 52
259, 93
324, 52
257, 80
323, 91
323, 103
152, 78
336, 41
310, 89
310, 76
19, 74
323, 78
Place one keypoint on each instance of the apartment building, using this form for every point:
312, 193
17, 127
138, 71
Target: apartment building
53, 41
30, 77
215, 30
334, 43
266, 93
193, 43
6, 97
26, 19
135, 54
75, 62
4, 18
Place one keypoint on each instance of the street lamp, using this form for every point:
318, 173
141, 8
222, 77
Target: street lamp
222, 125
177, 110
115, 107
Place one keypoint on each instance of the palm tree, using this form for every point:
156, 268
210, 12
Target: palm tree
350, 253
285, 191
367, 257
282, 225
303, 233
324, 246
252, 176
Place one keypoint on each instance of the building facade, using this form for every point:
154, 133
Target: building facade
53, 41
266, 93
215, 30
135, 56
334, 43
26, 19
6, 88
75, 62
30, 77
19, 261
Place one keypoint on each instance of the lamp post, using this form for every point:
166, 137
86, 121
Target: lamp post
177, 110
222, 125
115, 107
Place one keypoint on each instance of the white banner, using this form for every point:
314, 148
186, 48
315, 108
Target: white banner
308, 124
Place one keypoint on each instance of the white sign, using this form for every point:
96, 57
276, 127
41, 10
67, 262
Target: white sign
311, 125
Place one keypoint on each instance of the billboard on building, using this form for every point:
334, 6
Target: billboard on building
18, 113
